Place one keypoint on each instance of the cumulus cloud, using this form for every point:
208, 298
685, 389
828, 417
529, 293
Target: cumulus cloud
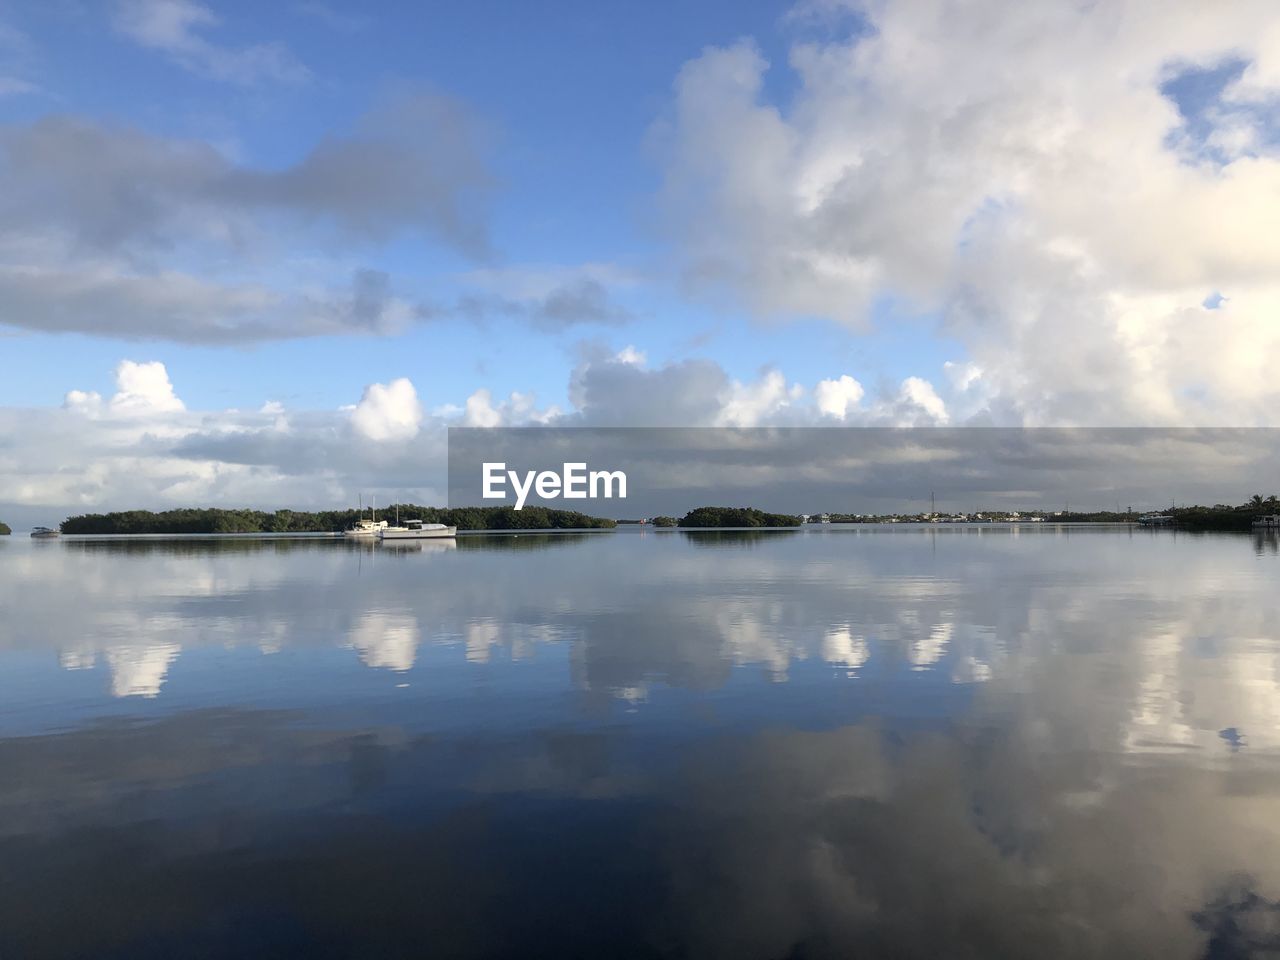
141, 447
836, 398
617, 392
480, 411
917, 404
388, 411
623, 390
519, 409
144, 388
176, 29
749, 404
1025, 175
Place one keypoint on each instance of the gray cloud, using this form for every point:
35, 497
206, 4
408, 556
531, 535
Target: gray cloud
585, 301
624, 394
582, 301
187, 309
98, 226
412, 166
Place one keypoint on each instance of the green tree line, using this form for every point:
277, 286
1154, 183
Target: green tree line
210, 520
705, 517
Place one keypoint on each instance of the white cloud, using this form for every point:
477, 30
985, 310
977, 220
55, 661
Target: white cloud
87, 403
617, 390
388, 412
752, 404
519, 409
838, 398
631, 355
175, 28
963, 376
142, 389
1016, 171
480, 411
919, 395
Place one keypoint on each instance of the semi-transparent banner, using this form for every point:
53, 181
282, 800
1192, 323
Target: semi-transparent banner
641, 471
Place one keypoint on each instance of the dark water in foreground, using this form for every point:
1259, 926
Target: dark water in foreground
840, 743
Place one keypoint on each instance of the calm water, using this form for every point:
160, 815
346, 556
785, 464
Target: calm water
838, 743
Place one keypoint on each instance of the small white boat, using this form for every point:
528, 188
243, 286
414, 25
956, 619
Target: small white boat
417, 530
1272, 520
44, 533
364, 529
1155, 519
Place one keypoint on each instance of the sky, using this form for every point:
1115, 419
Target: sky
264, 255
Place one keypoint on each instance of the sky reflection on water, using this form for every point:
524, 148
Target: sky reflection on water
892, 742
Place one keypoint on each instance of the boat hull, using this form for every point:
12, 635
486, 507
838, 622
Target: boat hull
439, 533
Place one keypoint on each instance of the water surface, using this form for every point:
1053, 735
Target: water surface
900, 742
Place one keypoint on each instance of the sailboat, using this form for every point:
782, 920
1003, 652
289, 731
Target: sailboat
365, 529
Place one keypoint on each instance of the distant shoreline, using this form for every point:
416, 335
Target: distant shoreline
330, 523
